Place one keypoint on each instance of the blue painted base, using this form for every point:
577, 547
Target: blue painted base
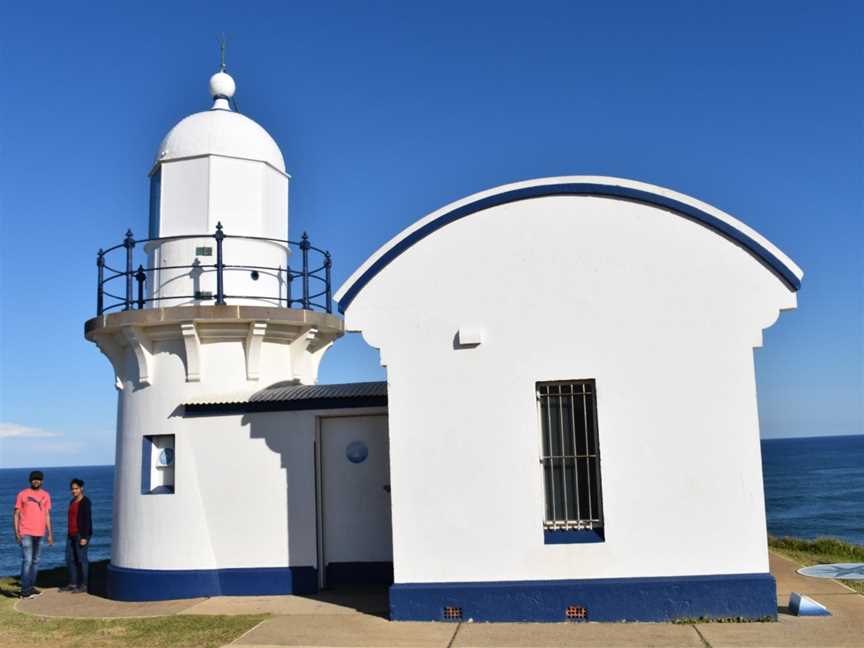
359, 573
158, 585
748, 596
580, 536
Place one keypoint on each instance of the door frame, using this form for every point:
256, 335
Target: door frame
319, 482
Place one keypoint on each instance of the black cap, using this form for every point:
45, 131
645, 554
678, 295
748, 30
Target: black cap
37, 474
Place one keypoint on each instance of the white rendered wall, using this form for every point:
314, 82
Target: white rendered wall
249, 198
176, 531
184, 203
244, 483
660, 310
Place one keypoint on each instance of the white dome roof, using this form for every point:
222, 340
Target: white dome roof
220, 131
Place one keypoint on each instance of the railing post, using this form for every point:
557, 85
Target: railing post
129, 244
288, 291
140, 277
328, 263
304, 247
100, 295
220, 287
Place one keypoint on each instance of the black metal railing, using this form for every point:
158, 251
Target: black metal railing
314, 274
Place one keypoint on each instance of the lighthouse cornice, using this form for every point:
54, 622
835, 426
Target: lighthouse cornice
187, 331
210, 316
213, 313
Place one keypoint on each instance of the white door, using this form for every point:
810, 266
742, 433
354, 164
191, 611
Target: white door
357, 538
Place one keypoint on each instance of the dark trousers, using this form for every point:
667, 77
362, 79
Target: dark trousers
76, 561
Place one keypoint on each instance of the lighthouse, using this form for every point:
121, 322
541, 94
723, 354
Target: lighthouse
570, 412
213, 304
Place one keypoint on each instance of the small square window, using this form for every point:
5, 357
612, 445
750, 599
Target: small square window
157, 465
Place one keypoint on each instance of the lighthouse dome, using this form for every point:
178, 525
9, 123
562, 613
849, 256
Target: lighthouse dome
220, 131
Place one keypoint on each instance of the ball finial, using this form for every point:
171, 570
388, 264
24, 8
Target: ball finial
222, 86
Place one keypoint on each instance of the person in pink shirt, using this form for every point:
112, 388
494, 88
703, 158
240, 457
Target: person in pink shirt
32, 518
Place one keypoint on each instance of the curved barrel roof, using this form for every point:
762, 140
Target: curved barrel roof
687, 206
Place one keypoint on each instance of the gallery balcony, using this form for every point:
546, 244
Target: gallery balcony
217, 268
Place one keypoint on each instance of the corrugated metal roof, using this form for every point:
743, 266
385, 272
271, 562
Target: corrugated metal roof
293, 392
290, 396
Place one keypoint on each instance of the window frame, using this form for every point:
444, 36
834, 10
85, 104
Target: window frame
579, 529
154, 224
150, 444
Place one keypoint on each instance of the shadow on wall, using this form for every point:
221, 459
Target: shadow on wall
293, 437
289, 437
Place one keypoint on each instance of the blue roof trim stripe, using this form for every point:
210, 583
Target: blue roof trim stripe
573, 188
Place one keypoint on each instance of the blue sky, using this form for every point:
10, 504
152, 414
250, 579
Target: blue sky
387, 111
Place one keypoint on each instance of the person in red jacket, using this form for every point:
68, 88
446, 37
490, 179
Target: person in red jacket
80, 528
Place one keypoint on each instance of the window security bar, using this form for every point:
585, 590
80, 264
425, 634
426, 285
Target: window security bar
567, 412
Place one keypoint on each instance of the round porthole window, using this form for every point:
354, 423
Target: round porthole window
356, 452
166, 456
254, 274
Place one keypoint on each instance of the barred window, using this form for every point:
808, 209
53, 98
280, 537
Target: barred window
570, 455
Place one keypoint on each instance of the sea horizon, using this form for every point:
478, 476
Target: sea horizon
784, 438
813, 488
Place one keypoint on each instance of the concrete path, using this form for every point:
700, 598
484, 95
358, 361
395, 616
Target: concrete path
358, 618
372, 602
344, 632
84, 606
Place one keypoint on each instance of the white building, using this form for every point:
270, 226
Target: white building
569, 423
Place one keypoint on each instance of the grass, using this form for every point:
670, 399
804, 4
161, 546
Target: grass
821, 550
17, 629
695, 620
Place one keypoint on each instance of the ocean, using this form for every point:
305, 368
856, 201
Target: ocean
813, 487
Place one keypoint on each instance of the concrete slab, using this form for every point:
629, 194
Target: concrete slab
85, 606
343, 630
596, 635
789, 580
371, 602
844, 628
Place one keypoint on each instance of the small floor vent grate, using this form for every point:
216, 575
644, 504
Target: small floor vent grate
576, 612
452, 613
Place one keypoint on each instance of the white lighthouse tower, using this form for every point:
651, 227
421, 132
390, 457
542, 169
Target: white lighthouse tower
219, 169
213, 305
